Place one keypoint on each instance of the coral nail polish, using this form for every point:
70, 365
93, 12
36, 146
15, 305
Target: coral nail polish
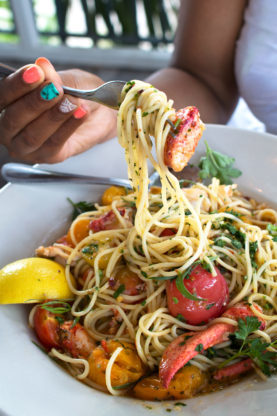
79, 113
42, 61
31, 75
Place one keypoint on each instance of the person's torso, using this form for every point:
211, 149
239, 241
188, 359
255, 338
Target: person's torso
256, 61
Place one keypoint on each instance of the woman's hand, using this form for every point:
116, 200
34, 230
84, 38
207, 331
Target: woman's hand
38, 123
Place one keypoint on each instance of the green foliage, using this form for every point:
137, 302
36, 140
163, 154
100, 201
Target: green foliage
217, 165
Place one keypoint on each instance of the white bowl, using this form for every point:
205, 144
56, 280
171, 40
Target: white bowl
30, 383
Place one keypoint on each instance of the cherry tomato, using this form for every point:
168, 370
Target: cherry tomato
168, 232
46, 327
133, 285
201, 283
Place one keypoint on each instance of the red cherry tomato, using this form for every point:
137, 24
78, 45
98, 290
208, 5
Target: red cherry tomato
46, 327
213, 289
168, 232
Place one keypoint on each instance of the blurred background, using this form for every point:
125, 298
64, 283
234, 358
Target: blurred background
116, 39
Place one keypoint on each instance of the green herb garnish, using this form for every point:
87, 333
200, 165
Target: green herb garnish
182, 288
61, 308
272, 229
180, 318
179, 404
130, 85
199, 348
253, 247
131, 204
177, 123
90, 249
123, 386
119, 291
217, 165
254, 348
209, 306
81, 207
75, 321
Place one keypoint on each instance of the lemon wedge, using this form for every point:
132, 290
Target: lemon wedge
33, 280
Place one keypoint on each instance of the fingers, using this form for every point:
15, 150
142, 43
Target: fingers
29, 107
49, 71
56, 148
43, 128
75, 136
20, 83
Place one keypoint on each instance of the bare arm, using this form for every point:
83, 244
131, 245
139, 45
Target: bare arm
202, 68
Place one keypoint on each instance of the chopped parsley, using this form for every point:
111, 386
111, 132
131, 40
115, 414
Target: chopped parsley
272, 229
119, 291
199, 348
180, 318
209, 306
90, 249
177, 123
130, 85
253, 247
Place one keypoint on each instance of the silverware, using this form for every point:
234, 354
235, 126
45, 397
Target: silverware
107, 94
21, 173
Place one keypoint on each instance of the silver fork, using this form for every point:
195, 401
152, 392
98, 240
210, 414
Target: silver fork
107, 94
23, 174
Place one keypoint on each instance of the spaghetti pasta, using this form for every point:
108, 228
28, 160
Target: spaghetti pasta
142, 241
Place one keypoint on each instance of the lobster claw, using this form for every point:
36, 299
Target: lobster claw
185, 347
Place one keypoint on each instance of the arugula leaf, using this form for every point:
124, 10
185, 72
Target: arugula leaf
215, 164
80, 207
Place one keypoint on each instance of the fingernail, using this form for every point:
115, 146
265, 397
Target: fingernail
66, 106
79, 113
49, 92
42, 60
31, 75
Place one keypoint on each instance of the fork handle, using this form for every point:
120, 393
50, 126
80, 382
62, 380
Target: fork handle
6, 70
76, 93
